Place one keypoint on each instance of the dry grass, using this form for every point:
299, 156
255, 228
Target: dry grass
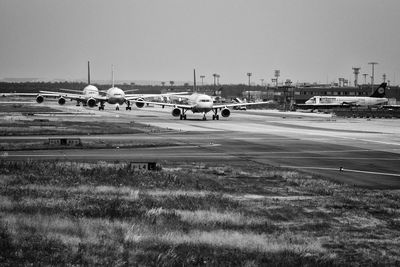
106, 214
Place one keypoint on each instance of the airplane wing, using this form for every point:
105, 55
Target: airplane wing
131, 90
17, 94
136, 96
71, 90
347, 103
163, 104
242, 104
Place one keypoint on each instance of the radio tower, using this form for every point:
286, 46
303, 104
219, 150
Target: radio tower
356, 71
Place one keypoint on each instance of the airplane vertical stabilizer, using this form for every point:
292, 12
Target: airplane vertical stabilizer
88, 72
380, 91
112, 75
194, 81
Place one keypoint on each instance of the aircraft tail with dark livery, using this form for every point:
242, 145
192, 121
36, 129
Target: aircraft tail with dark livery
380, 91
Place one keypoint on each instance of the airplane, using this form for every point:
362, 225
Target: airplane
91, 96
117, 96
198, 103
328, 102
87, 96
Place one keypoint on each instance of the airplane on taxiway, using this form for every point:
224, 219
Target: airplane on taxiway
328, 102
198, 103
84, 96
91, 96
117, 96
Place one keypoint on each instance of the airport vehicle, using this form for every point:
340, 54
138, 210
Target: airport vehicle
238, 100
329, 102
198, 103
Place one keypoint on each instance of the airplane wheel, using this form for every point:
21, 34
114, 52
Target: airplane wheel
217, 117
213, 117
181, 117
116, 108
184, 117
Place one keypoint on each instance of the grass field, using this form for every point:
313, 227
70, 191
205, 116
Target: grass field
70, 213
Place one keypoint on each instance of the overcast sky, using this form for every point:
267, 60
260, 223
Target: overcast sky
307, 40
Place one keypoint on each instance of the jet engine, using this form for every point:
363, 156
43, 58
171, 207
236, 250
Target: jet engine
176, 112
225, 112
61, 101
91, 102
139, 104
39, 99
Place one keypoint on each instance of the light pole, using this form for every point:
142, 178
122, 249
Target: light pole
277, 74
249, 74
365, 77
373, 73
215, 77
202, 77
356, 71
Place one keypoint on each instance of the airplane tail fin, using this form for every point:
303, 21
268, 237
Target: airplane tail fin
88, 72
380, 91
112, 74
194, 80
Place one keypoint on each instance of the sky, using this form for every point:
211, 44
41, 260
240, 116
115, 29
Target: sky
164, 40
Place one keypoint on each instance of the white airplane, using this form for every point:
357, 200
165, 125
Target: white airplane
91, 96
198, 103
327, 102
117, 96
87, 96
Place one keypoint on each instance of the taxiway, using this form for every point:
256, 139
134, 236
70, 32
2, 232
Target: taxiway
354, 151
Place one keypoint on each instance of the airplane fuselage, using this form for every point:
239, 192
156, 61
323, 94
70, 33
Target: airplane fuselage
90, 91
343, 100
201, 103
115, 96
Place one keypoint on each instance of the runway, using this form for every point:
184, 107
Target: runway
355, 151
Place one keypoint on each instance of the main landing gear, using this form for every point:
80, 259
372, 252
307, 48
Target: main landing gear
182, 117
101, 107
128, 105
215, 115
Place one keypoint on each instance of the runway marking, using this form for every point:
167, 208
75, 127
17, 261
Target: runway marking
343, 170
334, 158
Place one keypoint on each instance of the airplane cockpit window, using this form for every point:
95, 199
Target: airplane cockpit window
204, 100
312, 100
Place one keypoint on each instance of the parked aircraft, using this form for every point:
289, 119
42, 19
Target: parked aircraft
198, 103
327, 102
